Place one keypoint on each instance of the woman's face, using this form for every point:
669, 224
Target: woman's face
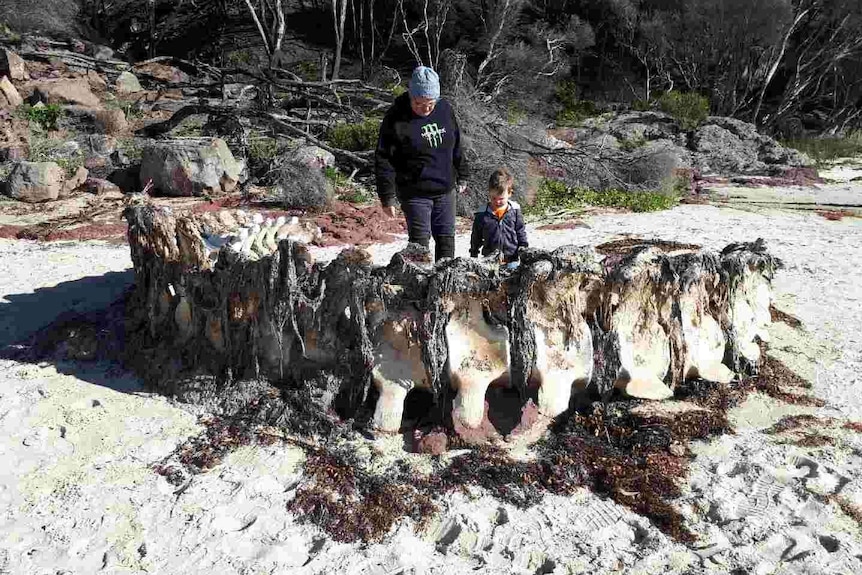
422, 106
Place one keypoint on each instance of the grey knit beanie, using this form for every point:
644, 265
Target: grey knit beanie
425, 83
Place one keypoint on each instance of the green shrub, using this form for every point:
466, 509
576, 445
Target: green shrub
5, 170
130, 108
239, 58
346, 189
633, 143
355, 137
44, 149
189, 128
555, 195
687, 108
9, 35
45, 117
574, 109
515, 113
308, 70
131, 148
825, 150
641, 106
261, 148
71, 163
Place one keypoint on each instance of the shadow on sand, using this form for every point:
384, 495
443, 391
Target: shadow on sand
77, 326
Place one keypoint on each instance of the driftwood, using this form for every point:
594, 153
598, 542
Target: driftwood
235, 319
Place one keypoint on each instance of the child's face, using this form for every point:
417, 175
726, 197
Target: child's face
498, 200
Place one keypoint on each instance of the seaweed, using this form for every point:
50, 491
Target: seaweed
777, 315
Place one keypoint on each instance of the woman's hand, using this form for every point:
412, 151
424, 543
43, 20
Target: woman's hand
389, 211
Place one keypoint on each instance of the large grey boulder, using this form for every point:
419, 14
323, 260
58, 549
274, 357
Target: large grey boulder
191, 168
769, 151
295, 184
728, 145
314, 157
35, 182
718, 150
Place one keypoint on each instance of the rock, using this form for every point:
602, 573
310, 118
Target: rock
127, 179
102, 52
111, 122
127, 83
181, 168
119, 158
644, 126
102, 144
720, 150
12, 65
314, 157
69, 148
162, 72
96, 81
9, 96
66, 91
434, 442
12, 154
74, 182
99, 186
96, 162
652, 164
734, 146
35, 182
297, 185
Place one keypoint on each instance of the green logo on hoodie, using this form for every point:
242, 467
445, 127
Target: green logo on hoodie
433, 134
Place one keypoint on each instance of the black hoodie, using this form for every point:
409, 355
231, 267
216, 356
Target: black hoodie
418, 156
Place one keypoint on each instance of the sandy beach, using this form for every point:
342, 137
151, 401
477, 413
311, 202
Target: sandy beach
78, 442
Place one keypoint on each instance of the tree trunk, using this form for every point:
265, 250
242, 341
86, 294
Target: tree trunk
339, 16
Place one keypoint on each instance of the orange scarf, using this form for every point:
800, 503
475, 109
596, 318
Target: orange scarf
500, 212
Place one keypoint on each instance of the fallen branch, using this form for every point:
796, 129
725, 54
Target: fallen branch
160, 128
362, 159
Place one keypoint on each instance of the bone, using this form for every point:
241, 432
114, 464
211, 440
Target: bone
561, 364
478, 355
398, 369
749, 313
564, 345
258, 246
643, 322
250, 236
644, 345
269, 241
704, 339
237, 240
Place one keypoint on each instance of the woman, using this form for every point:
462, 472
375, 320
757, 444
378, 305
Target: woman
419, 162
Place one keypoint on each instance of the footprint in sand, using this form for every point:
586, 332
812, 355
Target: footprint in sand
762, 497
818, 478
598, 515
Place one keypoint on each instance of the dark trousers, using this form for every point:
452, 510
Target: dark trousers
432, 216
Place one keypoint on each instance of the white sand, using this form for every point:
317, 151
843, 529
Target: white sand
77, 441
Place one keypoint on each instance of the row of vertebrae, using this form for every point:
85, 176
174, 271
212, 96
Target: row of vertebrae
641, 321
560, 323
258, 239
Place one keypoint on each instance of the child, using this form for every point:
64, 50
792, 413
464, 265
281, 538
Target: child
500, 226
